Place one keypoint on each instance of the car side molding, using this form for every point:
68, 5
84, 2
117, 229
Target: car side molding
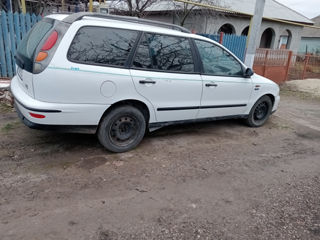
157, 125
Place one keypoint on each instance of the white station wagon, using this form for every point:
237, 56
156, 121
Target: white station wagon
119, 77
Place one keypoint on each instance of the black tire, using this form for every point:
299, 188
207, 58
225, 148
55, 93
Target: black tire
260, 112
122, 129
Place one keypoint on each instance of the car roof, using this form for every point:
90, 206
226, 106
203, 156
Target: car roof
130, 25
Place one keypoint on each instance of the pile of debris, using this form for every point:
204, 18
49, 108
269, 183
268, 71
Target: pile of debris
5, 95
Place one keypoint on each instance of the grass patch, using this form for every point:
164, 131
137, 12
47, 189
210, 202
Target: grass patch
283, 126
10, 126
5, 108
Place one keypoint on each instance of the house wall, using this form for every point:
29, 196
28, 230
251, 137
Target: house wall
312, 32
211, 24
310, 45
310, 40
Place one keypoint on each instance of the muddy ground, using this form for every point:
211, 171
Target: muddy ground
219, 180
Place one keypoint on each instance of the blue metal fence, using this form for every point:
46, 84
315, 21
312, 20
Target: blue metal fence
13, 27
236, 44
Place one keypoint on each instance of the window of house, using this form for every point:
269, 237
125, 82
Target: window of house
100, 45
167, 53
217, 61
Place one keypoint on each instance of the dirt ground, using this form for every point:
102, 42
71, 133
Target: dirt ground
218, 180
310, 86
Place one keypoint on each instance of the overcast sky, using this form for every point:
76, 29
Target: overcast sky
309, 8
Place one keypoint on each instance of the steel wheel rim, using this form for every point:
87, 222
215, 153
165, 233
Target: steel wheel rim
124, 130
261, 111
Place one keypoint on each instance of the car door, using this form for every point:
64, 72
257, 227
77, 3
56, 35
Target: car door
163, 71
226, 91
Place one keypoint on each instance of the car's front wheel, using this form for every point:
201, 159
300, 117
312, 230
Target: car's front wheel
122, 129
260, 112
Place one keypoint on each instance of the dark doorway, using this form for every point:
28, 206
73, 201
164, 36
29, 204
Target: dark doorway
227, 29
267, 38
245, 31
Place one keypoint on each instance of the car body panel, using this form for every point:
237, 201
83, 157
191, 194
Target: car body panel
25, 81
56, 113
229, 96
170, 91
82, 93
263, 86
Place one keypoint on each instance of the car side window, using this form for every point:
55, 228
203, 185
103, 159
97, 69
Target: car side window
166, 53
101, 45
217, 61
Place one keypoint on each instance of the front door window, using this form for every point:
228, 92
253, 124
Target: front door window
217, 61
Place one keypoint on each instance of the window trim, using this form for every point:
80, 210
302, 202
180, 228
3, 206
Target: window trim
125, 66
196, 69
133, 50
201, 63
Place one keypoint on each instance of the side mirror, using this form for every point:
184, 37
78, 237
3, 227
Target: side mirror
248, 73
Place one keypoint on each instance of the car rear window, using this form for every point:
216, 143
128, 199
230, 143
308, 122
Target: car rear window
29, 44
102, 46
31, 41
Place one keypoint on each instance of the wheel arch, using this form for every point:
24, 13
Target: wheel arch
271, 96
256, 98
132, 102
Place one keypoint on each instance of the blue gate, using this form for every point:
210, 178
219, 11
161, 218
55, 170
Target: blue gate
235, 43
13, 27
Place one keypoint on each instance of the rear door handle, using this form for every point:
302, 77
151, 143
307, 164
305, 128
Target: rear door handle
211, 85
147, 82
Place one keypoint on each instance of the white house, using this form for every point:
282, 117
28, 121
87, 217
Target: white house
235, 19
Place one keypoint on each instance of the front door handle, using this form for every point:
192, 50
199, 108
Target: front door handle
147, 82
211, 85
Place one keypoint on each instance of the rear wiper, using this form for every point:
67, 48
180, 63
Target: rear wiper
19, 61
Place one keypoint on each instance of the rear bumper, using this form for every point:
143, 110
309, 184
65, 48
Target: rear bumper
58, 128
57, 115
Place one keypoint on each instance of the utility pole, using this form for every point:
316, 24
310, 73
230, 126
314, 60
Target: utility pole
254, 32
23, 6
90, 5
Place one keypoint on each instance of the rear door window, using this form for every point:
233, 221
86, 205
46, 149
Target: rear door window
164, 53
102, 46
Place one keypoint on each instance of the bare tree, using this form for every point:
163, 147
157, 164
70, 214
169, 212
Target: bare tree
14, 3
3, 5
180, 11
41, 5
135, 8
183, 10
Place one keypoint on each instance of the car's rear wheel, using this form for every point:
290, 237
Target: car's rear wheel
122, 129
260, 112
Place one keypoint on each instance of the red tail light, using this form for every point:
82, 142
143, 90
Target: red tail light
52, 39
49, 43
35, 115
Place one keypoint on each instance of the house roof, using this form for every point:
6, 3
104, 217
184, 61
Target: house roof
311, 32
273, 9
